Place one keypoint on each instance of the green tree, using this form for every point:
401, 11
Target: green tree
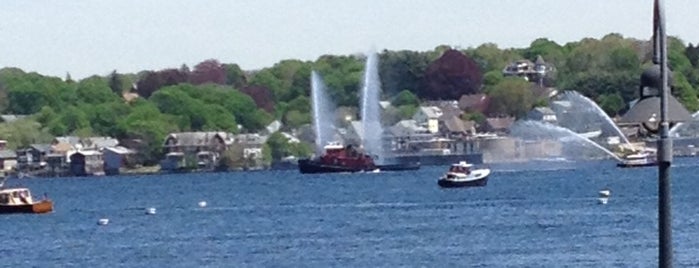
611, 103
513, 96
405, 97
23, 132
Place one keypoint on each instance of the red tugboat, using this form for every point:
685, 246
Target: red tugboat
338, 158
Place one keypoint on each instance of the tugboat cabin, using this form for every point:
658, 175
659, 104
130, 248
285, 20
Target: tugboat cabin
15, 196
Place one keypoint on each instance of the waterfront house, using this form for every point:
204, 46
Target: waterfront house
544, 114
454, 128
252, 145
498, 125
115, 158
86, 163
202, 149
530, 71
33, 157
428, 117
8, 160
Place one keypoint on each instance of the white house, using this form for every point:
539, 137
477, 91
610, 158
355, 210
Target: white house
428, 117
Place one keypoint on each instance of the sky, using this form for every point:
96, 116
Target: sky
84, 38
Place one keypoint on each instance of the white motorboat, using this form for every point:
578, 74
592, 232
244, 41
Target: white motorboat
463, 174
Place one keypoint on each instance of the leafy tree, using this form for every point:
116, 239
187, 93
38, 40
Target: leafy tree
342, 75
492, 78
611, 103
686, 94
152, 81
549, 50
148, 124
95, 90
116, 83
405, 97
279, 145
451, 76
22, 133
403, 70
235, 76
511, 97
262, 96
208, 71
296, 119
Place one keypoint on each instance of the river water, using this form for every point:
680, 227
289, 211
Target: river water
529, 215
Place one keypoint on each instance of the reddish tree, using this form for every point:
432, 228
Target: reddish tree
208, 71
152, 81
451, 76
262, 97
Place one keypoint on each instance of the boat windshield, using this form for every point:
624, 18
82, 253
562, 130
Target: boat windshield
460, 169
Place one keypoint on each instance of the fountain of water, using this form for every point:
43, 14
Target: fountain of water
541, 131
323, 113
677, 130
371, 114
583, 104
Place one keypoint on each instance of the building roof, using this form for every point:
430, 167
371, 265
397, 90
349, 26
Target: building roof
41, 147
448, 107
11, 117
119, 150
500, 123
71, 140
61, 147
474, 102
251, 138
7, 154
544, 110
643, 110
384, 104
406, 128
455, 124
198, 138
99, 142
432, 112
274, 126
87, 152
540, 60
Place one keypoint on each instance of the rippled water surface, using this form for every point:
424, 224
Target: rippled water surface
529, 215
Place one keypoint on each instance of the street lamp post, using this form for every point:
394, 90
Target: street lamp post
654, 96
664, 144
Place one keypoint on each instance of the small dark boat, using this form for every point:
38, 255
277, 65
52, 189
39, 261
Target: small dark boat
462, 175
338, 158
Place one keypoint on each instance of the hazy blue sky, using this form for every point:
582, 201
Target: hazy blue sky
96, 37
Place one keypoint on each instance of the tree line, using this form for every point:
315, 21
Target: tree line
148, 105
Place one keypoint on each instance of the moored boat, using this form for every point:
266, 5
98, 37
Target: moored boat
642, 159
20, 200
462, 174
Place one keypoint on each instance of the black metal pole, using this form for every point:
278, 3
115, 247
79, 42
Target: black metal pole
664, 147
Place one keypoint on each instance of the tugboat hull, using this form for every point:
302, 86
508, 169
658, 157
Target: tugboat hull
308, 166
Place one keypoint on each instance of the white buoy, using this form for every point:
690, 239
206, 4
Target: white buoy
103, 221
603, 200
605, 192
202, 204
150, 211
